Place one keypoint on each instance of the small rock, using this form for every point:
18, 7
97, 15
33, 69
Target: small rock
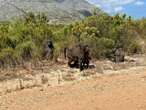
68, 77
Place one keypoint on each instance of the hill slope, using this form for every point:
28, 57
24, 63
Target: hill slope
62, 10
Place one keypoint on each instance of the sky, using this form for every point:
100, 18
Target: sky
134, 8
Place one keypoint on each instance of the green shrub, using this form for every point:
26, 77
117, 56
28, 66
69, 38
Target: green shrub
22, 39
7, 57
27, 50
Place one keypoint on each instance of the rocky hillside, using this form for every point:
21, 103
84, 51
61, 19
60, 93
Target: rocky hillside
62, 10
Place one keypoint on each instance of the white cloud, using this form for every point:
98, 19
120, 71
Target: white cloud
112, 6
139, 3
112, 2
98, 5
118, 9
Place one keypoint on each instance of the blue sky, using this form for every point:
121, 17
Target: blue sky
134, 8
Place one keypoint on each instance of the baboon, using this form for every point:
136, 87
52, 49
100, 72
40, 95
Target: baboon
78, 56
119, 55
87, 56
48, 50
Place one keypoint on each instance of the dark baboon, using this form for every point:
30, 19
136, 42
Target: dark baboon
48, 50
119, 55
78, 56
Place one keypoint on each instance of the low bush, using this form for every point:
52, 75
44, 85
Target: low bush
22, 39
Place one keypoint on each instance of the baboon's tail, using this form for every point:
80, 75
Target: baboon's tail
65, 52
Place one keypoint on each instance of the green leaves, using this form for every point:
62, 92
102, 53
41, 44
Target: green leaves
22, 40
104, 33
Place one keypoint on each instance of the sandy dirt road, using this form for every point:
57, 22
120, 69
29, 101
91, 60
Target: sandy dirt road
105, 92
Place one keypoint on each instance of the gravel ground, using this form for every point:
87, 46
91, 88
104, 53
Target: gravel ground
123, 91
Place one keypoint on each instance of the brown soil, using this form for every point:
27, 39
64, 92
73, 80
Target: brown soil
104, 92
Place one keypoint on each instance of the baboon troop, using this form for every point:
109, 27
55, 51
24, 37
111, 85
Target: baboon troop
78, 55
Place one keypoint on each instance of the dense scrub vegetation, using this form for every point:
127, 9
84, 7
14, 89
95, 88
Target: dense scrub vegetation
21, 40
104, 33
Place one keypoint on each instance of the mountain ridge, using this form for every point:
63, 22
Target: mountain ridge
56, 10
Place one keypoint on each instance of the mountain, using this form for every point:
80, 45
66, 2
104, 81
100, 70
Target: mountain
56, 10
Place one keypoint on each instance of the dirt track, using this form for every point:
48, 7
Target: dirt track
105, 92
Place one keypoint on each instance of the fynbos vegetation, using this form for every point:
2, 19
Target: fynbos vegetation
22, 40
